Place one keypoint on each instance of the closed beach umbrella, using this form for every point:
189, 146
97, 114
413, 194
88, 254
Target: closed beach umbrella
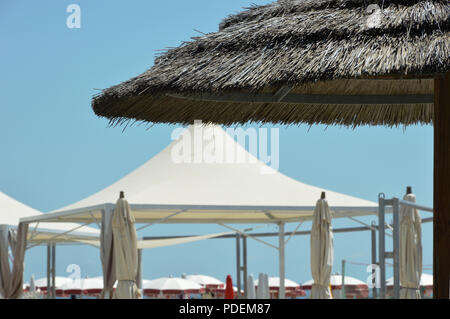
260, 286
321, 250
251, 293
32, 284
229, 293
266, 289
171, 286
410, 250
125, 250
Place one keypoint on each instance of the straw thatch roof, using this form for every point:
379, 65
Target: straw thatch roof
305, 49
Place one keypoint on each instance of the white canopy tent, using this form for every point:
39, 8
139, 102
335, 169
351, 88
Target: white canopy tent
225, 186
248, 192
11, 211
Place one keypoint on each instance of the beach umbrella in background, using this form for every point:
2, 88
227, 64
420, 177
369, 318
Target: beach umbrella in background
83, 286
354, 288
92, 286
410, 262
272, 64
426, 284
220, 292
125, 250
271, 285
41, 283
71, 287
251, 293
171, 286
321, 250
229, 292
207, 282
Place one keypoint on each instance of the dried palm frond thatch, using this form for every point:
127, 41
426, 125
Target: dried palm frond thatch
303, 48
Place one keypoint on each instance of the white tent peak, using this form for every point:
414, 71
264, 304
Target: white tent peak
167, 179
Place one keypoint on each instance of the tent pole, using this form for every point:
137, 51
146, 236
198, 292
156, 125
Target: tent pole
381, 246
441, 201
343, 292
53, 270
374, 261
244, 256
282, 291
396, 250
238, 264
48, 271
139, 272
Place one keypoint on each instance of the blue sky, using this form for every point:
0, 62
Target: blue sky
55, 151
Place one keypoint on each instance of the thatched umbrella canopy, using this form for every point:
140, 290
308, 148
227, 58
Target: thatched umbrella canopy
344, 62
303, 49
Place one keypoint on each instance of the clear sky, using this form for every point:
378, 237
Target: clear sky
55, 151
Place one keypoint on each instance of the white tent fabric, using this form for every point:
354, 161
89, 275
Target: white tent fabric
410, 250
221, 192
125, 251
156, 243
11, 211
321, 251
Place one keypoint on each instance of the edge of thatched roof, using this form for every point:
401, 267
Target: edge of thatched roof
290, 42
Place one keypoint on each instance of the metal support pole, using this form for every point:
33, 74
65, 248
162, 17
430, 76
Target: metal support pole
238, 264
282, 291
49, 252
396, 246
139, 272
244, 268
374, 261
381, 246
53, 270
343, 293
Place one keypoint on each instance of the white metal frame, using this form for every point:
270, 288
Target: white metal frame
395, 203
71, 216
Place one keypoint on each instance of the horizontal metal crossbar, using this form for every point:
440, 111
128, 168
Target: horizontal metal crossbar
307, 98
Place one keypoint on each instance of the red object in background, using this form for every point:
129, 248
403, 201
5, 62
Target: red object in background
229, 293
